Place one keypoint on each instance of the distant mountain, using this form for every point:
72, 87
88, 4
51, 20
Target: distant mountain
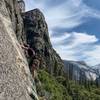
80, 71
97, 68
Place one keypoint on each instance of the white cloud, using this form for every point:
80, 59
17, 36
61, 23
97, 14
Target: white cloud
93, 56
82, 47
68, 14
82, 38
77, 2
58, 40
76, 39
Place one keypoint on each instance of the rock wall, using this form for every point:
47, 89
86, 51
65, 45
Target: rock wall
16, 19
37, 37
16, 82
80, 72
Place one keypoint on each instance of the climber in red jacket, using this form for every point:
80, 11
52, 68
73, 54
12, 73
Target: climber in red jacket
30, 51
32, 58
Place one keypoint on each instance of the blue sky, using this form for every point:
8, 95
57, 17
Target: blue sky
74, 27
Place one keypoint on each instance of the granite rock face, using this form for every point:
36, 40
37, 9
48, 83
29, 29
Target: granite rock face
37, 37
16, 82
16, 19
80, 72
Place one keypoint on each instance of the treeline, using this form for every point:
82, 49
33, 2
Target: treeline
60, 88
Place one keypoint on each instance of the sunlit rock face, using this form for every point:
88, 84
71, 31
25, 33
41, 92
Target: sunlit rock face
97, 68
15, 79
37, 37
80, 72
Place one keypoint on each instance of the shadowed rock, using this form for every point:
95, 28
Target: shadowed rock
37, 37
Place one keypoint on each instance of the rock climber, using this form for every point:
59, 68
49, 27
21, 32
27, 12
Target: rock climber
35, 66
30, 51
32, 58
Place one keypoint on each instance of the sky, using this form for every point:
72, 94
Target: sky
74, 27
